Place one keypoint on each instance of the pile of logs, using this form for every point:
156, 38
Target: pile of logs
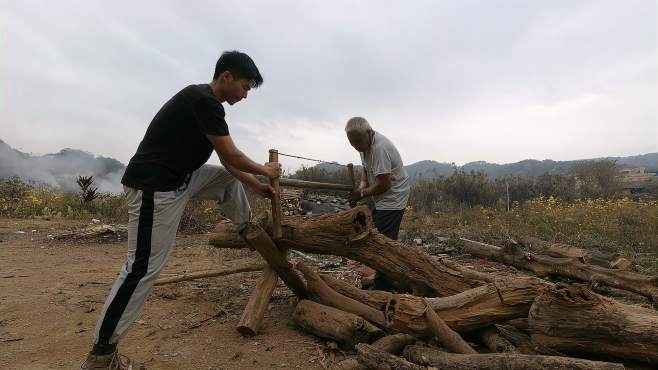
452, 316
291, 201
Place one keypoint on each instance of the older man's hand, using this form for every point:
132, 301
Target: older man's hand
355, 196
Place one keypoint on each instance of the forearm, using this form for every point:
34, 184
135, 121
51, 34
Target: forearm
244, 177
379, 187
374, 190
241, 163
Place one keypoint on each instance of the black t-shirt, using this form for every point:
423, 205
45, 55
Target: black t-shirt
175, 143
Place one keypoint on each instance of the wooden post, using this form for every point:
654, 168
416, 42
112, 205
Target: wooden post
258, 239
253, 313
350, 172
276, 201
258, 302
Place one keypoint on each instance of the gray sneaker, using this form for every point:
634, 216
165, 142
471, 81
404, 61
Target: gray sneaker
114, 361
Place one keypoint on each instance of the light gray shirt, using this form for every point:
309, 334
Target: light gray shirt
383, 158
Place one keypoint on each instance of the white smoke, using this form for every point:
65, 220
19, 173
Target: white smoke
61, 169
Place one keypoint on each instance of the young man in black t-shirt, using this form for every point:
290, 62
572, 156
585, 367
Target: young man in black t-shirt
166, 172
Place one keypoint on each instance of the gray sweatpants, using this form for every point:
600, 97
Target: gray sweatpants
153, 219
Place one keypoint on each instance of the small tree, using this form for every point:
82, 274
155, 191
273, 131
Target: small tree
470, 189
597, 178
88, 191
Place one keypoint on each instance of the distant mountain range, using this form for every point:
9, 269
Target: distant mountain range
530, 167
62, 168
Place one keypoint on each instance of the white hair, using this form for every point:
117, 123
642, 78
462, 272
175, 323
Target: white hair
357, 124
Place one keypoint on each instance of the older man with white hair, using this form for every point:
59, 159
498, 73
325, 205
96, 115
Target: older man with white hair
383, 178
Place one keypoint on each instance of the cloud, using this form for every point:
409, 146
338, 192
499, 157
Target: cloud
450, 81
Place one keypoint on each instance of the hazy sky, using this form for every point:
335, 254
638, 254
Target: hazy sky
452, 81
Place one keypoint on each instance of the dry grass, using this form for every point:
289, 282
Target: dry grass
624, 226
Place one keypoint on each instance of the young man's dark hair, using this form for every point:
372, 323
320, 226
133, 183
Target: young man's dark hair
240, 65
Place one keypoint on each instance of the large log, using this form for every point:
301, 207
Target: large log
573, 319
258, 239
319, 291
496, 361
522, 341
495, 342
377, 359
226, 234
330, 323
352, 234
393, 344
468, 311
252, 316
377, 299
445, 336
612, 261
568, 267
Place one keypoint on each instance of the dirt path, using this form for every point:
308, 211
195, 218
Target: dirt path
51, 293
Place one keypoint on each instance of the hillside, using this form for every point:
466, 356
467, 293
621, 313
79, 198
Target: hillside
529, 167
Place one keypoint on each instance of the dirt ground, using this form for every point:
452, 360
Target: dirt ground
52, 291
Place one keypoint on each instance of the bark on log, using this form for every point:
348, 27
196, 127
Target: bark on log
257, 238
573, 319
252, 316
495, 342
376, 299
445, 336
377, 359
611, 261
520, 323
330, 323
393, 344
352, 234
521, 340
367, 276
471, 310
566, 266
227, 235
495, 361
206, 274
